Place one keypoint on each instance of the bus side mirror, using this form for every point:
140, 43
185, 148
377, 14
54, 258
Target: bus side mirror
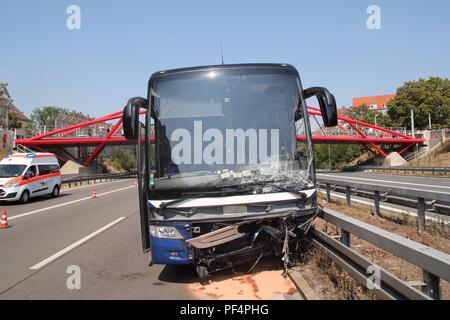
130, 117
327, 104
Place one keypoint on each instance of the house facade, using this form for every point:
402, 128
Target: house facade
378, 103
10, 113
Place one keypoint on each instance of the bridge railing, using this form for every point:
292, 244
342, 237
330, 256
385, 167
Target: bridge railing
435, 264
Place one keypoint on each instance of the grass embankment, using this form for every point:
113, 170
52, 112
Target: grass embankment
438, 158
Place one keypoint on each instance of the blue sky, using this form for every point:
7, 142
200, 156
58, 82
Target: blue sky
121, 43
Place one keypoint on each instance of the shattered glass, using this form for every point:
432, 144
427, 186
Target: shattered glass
275, 176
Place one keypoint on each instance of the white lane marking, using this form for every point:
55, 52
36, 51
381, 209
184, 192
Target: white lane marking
65, 203
392, 182
387, 208
75, 244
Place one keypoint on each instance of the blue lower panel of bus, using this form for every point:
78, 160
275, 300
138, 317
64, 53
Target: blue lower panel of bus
172, 251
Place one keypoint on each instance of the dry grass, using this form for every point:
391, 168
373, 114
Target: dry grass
348, 287
328, 280
438, 158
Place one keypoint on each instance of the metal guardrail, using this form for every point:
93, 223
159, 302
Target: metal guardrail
423, 196
103, 177
433, 170
435, 264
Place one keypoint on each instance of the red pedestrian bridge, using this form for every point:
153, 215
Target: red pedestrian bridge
376, 139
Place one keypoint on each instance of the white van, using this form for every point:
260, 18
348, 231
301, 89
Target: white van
27, 175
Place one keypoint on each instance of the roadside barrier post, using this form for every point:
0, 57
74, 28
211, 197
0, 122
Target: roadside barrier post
433, 285
376, 198
421, 213
348, 195
345, 238
328, 193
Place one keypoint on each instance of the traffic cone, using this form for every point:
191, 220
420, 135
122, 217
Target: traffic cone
4, 221
94, 194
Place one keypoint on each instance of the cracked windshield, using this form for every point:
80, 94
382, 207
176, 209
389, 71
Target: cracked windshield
222, 127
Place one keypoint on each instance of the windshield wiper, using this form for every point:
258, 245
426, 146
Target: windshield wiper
196, 195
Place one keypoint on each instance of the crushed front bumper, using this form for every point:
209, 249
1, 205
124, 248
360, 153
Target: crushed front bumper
216, 245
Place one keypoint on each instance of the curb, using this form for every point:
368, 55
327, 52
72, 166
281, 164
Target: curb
302, 286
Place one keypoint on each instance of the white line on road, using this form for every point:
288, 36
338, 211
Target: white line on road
374, 180
65, 203
74, 245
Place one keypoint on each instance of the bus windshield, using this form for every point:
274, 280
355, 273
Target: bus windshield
222, 127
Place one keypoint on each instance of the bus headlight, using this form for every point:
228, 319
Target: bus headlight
166, 232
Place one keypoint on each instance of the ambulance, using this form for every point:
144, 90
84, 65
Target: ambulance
28, 175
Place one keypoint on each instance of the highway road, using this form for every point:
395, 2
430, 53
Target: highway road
111, 262
100, 236
414, 182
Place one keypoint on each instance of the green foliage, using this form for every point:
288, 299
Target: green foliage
28, 130
4, 90
3, 153
46, 116
122, 160
425, 97
13, 121
364, 113
336, 155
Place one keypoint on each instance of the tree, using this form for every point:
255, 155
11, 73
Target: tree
13, 121
425, 97
4, 90
121, 159
365, 114
336, 155
45, 116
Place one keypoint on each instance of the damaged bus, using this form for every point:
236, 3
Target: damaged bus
226, 170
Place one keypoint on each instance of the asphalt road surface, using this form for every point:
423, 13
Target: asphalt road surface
50, 239
33, 263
